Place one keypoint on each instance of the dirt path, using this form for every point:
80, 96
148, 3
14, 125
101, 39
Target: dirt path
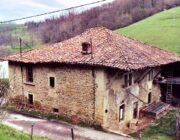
57, 130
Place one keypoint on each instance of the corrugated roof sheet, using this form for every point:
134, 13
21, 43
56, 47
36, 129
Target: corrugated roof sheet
110, 49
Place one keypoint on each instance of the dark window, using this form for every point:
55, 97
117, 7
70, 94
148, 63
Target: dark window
86, 47
149, 97
55, 110
51, 81
121, 112
128, 79
135, 110
30, 98
150, 75
29, 74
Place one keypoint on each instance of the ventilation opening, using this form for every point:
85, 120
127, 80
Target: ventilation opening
55, 110
86, 48
52, 81
149, 97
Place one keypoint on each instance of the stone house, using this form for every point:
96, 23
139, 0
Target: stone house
99, 76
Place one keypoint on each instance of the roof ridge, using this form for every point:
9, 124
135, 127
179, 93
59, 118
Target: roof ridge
146, 55
112, 39
152, 47
116, 44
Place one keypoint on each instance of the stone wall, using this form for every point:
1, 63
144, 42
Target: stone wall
101, 93
119, 95
73, 93
94, 95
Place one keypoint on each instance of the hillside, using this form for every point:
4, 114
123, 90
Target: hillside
161, 30
117, 14
9, 38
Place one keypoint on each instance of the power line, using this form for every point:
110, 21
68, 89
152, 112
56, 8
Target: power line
52, 12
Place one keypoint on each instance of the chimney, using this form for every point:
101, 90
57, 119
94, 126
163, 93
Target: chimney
86, 48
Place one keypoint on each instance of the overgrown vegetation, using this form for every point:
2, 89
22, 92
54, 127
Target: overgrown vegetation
163, 129
7, 133
117, 14
4, 85
161, 30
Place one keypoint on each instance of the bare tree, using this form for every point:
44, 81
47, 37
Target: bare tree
114, 15
4, 85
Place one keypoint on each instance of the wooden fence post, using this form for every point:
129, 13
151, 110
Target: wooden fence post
32, 131
72, 133
177, 127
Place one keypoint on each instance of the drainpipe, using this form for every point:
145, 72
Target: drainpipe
94, 90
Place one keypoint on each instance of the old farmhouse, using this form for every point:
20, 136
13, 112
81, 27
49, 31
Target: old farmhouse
99, 76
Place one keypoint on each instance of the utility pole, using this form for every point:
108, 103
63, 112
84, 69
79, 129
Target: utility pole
20, 45
22, 78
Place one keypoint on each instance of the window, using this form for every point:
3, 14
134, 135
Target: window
30, 98
55, 110
149, 97
135, 110
52, 81
150, 75
29, 74
121, 112
128, 79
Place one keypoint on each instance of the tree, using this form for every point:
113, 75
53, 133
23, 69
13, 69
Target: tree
4, 86
113, 15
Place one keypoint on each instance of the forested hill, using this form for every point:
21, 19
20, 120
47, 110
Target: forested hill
117, 14
114, 15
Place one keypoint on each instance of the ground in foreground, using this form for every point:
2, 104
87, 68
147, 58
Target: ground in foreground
57, 130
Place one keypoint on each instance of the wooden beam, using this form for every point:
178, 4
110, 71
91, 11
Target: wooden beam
143, 75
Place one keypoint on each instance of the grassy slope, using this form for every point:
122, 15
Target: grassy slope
161, 30
7, 133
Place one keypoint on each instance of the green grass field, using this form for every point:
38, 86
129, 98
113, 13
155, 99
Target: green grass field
161, 30
7, 133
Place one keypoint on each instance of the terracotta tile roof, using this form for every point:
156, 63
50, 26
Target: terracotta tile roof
109, 49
